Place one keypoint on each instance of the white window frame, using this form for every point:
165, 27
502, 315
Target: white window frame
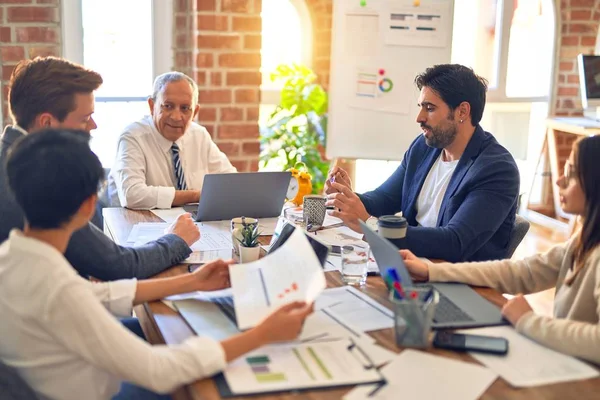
272, 96
162, 37
498, 94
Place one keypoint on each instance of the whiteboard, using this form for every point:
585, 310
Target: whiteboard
378, 47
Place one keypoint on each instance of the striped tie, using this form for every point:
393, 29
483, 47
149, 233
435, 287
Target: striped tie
179, 176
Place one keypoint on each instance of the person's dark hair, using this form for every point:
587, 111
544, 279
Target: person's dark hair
51, 173
47, 84
587, 152
455, 83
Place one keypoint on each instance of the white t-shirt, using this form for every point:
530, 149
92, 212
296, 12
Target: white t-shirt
57, 331
143, 175
433, 191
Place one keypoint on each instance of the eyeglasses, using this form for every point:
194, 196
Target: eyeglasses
169, 108
569, 173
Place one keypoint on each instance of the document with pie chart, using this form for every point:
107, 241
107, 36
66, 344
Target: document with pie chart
292, 273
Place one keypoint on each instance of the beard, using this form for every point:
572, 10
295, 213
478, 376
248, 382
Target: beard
441, 137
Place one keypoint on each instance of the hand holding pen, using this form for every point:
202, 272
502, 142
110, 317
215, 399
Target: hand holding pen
339, 176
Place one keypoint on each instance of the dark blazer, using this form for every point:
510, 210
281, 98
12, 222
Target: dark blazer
478, 210
90, 251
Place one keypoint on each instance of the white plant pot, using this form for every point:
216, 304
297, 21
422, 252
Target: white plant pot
249, 254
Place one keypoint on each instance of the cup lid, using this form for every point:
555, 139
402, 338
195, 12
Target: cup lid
392, 221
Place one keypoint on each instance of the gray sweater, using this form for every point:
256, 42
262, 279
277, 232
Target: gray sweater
90, 251
574, 329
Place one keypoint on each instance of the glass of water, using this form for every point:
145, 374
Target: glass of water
354, 264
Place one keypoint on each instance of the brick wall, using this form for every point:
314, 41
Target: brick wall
579, 27
218, 43
320, 14
28, 28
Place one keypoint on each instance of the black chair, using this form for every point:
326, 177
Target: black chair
12, 386
519, 230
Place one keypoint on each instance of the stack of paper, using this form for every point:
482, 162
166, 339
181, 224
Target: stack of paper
530, 364
418, 375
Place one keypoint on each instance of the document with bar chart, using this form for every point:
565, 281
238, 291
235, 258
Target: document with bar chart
300, 366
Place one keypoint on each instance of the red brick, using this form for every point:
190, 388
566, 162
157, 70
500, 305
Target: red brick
238, 131
181, 22
232, 149
252, 42
183, 59
43, 51
55, 2
16, 1
215, 96
204, 60
12, 53
253, 165
240, 60
216, 79
565, 66
572, 78
182, 39
252, 114
206, 5
5, 36
183, 6
6, 71
250, 148
568, 91
581, 15
581, 28
213, 23
32, 14
244, 78
36, 34
240, 165
588, 41
200, 78
247, 24
211, 129
247, 96
237, 6
232, 114
582, 3
569, 41
219, 42
207, 114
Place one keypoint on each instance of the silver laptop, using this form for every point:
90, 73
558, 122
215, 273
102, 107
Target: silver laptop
459, 306
250, 194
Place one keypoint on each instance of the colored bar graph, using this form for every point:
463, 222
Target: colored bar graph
319, 363
304, 365
262, 373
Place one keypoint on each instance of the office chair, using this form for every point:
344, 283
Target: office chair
12, 386
519, 230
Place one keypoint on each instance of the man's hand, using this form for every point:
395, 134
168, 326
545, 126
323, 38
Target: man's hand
418, 269
284, 323
348, 206
337, 175
515, 308
185, 227
213, 276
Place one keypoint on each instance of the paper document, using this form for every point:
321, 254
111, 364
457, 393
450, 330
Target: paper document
211, 238
417, 375
168, 215
351, 307
299, 366
530, 364
321, 326
203, 257
291, 273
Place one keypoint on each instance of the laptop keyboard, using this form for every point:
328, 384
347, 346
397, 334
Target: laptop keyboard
225, 304
447, 311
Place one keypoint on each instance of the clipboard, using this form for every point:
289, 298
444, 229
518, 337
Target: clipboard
362, 361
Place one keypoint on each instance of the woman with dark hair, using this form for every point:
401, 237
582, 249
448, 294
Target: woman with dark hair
572, 267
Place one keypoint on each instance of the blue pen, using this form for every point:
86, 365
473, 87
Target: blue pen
394, 281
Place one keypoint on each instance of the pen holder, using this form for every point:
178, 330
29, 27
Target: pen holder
413, 317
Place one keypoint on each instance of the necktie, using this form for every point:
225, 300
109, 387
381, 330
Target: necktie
179, 176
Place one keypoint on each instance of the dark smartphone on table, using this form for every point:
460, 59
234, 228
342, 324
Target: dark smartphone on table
466, 342
336, 250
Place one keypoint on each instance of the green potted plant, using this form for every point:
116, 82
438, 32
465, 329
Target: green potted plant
249, 245
296, 130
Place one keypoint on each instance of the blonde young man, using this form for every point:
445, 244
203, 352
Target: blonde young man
163, 158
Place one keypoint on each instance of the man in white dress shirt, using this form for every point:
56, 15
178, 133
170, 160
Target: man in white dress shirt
163, 158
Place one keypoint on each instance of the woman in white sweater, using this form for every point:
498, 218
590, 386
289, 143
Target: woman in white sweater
573, 268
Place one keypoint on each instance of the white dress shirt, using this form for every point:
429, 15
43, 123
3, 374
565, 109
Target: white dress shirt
56, 331
433, 191
143, 176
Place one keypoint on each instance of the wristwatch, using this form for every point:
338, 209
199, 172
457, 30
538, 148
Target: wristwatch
372, 223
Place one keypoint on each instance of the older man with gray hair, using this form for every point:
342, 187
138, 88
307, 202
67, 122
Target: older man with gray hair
163, 158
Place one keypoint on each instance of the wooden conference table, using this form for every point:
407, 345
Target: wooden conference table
163, 325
